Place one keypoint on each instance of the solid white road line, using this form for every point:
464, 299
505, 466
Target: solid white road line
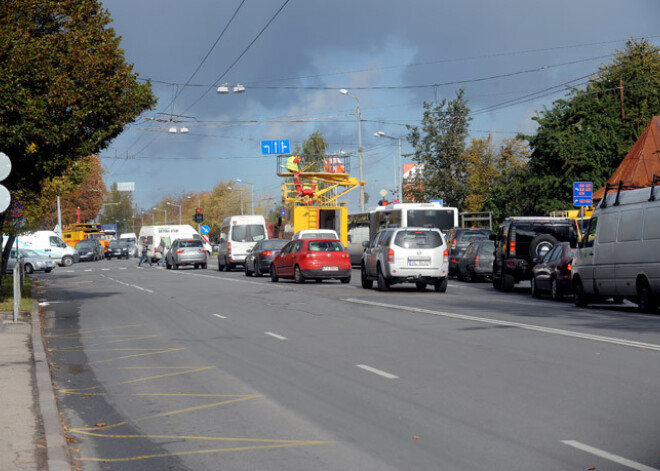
384, 374
218, 315
547, 330
608, 456
278, 337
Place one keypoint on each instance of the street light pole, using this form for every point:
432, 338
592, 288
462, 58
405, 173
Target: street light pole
172, 204
164, 210
359, 118
251, 194
398, 173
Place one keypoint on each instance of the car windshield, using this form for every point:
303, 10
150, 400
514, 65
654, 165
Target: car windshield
30, 253
190, 243
248, 233
418, 239
469, 236
487, 246
115, 244
84, 245
325, 246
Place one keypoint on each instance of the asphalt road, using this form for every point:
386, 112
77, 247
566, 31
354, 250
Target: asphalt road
160, 369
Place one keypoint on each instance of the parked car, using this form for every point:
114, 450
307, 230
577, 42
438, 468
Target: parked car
32, 261
619, 256
406, 255
522, 239
90, 250
186, 252
307, 259
458, 240
552, 273
315, 234
260, 256
477, 261
118, 248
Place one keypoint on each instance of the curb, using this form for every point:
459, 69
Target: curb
56, 445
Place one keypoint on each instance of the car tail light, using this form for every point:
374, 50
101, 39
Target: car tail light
445, 256
569, 267
266, 253
202, 251
453, 244
180, 251
512, 248
228, 248
390, 255
476, 261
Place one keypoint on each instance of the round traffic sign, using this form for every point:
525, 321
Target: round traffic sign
16, 209
204, 229
5, 167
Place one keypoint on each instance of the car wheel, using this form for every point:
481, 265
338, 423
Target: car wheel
67, 261
220, 267
507, 282
535, 289
421, 286
579, 296
28, 268
175, 266
257, 271
441, 285
472, 275
203, 266
555, 292
645, 300
383, 284
273, 274
497, 283
459, 274
366, 282
297, 275
48, 270
346, 280
168, 265
541, 245
247, 272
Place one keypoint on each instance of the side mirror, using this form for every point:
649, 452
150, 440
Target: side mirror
492, 237
248, 251
365, 243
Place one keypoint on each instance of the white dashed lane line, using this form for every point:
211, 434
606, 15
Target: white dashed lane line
278, 337
218, 315
382, 373
609, 456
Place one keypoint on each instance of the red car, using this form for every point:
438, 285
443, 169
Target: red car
312, 259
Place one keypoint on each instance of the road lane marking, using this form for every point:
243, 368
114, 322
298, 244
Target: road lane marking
485, 320
384, 374
608, 456
218, 315
128, 284
278, 337
89, 269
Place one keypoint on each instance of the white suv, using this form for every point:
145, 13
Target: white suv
406, 255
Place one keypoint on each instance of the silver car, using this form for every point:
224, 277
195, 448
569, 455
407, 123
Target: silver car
406, 255
32, 261
186, 252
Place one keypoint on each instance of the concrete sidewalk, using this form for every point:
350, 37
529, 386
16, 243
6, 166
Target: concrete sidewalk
31, 433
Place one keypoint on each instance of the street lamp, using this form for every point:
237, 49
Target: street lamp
229, 188
238, 180
163, 210
179, 206
225, 87
398, 173
343, 91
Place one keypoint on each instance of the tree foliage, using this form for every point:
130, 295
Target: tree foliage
584, 136
439, 147
65, 87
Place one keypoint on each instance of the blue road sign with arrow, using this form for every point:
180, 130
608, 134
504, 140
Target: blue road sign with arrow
280, 146
583, 193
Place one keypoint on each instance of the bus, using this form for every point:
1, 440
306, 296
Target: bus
413, 215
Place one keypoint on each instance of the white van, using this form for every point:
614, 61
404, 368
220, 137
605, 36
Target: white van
130, 237
52, 244
619, 256
169, 233
237, 235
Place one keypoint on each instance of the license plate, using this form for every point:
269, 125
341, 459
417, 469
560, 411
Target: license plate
419, 263
330, 268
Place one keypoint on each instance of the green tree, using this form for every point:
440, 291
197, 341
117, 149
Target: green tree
440, 147
585, 136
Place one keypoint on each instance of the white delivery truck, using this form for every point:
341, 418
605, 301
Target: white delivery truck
237, 235
52, 244
154, 234
619, 256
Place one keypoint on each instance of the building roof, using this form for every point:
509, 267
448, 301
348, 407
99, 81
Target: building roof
640, 163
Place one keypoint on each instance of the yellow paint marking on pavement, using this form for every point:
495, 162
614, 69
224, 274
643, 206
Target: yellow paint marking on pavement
199, 452
157, 352
128, 326
137, 380
84, 430
128, 339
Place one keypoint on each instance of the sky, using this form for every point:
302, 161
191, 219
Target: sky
513, 57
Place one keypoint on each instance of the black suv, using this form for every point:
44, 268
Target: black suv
520, 240
458, 240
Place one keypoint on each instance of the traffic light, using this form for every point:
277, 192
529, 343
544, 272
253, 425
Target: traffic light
198, 216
